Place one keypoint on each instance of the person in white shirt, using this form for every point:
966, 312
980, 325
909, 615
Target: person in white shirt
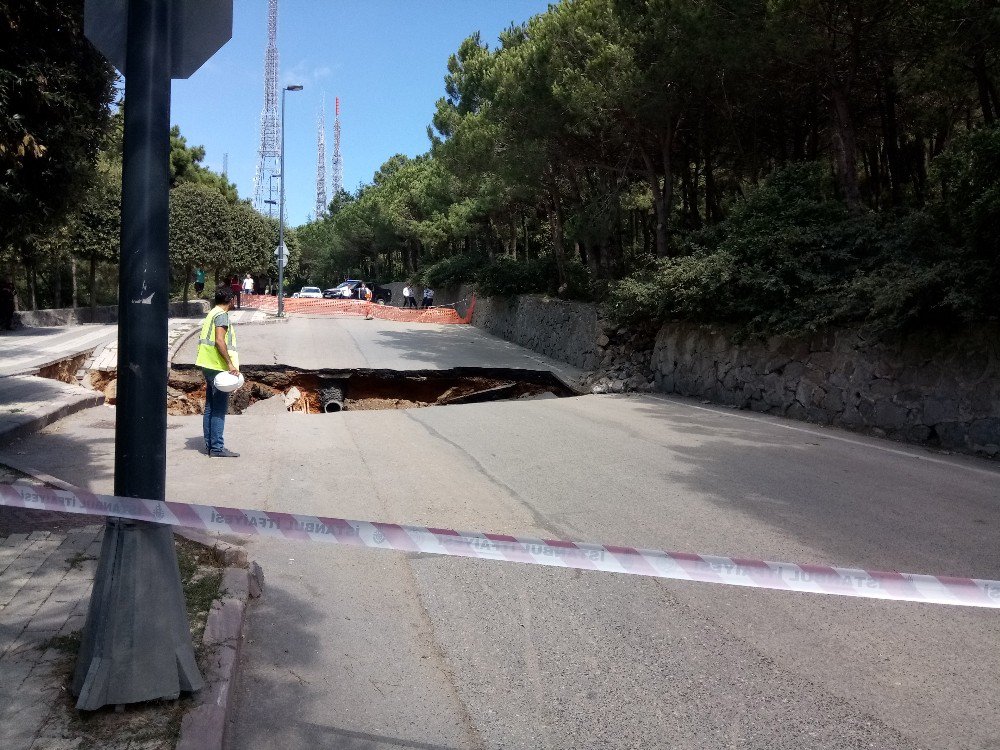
248, 284
406, 296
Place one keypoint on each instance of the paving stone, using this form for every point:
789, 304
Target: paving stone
13, 672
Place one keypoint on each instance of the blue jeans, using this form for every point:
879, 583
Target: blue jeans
216, 405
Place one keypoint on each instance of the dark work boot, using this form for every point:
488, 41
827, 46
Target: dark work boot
224, 453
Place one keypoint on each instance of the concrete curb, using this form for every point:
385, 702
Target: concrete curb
176, 346
40, 421
204, 726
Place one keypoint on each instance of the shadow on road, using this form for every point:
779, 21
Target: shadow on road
848, 499
80, 460
453, 346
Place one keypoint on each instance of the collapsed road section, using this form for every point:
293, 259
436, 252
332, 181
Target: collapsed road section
330, 390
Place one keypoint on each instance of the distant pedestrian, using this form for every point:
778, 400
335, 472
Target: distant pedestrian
199, 281
411, 298
428, 300
406, 295
237, 288
217, 352
248, 284
8, 305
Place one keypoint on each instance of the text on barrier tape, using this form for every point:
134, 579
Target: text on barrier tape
816, 579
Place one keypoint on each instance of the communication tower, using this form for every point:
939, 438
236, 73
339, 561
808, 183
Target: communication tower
338, 162
268, 155
321, 200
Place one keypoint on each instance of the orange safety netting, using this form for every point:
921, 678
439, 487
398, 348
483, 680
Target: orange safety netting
308, 306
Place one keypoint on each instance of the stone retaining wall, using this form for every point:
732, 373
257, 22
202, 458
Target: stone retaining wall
567, 331
935, 388
69, 316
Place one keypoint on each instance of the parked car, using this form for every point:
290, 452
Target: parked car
341, 291
351, 289
310, 292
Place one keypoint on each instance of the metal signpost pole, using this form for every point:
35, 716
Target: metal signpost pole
282, 253
136, 643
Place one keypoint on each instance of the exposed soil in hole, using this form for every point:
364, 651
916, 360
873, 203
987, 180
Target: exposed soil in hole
64, 371
105, 381
364, 390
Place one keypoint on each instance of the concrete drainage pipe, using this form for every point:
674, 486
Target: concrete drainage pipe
332, 399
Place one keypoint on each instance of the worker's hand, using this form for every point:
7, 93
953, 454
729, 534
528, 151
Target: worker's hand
234, 371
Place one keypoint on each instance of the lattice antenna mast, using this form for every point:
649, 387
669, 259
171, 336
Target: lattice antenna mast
264, 189
338, 162
321, 199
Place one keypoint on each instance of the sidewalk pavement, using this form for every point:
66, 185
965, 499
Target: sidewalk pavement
29, 403
45, 581
27, 350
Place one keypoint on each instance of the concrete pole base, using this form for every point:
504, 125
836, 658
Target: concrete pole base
136, 645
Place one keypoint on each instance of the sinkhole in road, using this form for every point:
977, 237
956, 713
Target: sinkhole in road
331, 390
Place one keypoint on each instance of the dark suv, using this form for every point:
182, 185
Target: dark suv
351, 289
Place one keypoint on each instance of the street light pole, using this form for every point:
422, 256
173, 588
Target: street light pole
281, 207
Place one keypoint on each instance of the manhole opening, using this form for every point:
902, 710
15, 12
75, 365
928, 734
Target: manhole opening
326, 391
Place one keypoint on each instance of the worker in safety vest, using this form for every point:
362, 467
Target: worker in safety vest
217, 353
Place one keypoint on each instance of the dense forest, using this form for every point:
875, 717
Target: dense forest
782, 165
778, 164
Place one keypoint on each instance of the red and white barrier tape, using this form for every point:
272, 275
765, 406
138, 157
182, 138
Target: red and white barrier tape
816, 579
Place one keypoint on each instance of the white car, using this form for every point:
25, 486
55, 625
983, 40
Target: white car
311, 292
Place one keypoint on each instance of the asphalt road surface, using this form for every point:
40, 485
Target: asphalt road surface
368, 649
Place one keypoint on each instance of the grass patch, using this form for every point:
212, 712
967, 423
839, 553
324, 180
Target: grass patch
201, 577
77, 559
66, 644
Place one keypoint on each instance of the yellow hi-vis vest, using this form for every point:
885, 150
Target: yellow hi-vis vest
208, 353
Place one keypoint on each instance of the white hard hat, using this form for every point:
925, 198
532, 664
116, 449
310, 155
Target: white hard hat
228, 383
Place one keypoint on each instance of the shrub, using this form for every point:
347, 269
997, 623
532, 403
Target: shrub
771, 267
507, 276
452, 271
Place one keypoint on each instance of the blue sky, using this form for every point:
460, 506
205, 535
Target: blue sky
385, 59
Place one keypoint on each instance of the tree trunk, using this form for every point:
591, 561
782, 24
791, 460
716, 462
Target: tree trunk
57, 280
713, 208
660, 206
72, 272
845, 148
93, 282
32, 284
558, 246
983, 86
890, 133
